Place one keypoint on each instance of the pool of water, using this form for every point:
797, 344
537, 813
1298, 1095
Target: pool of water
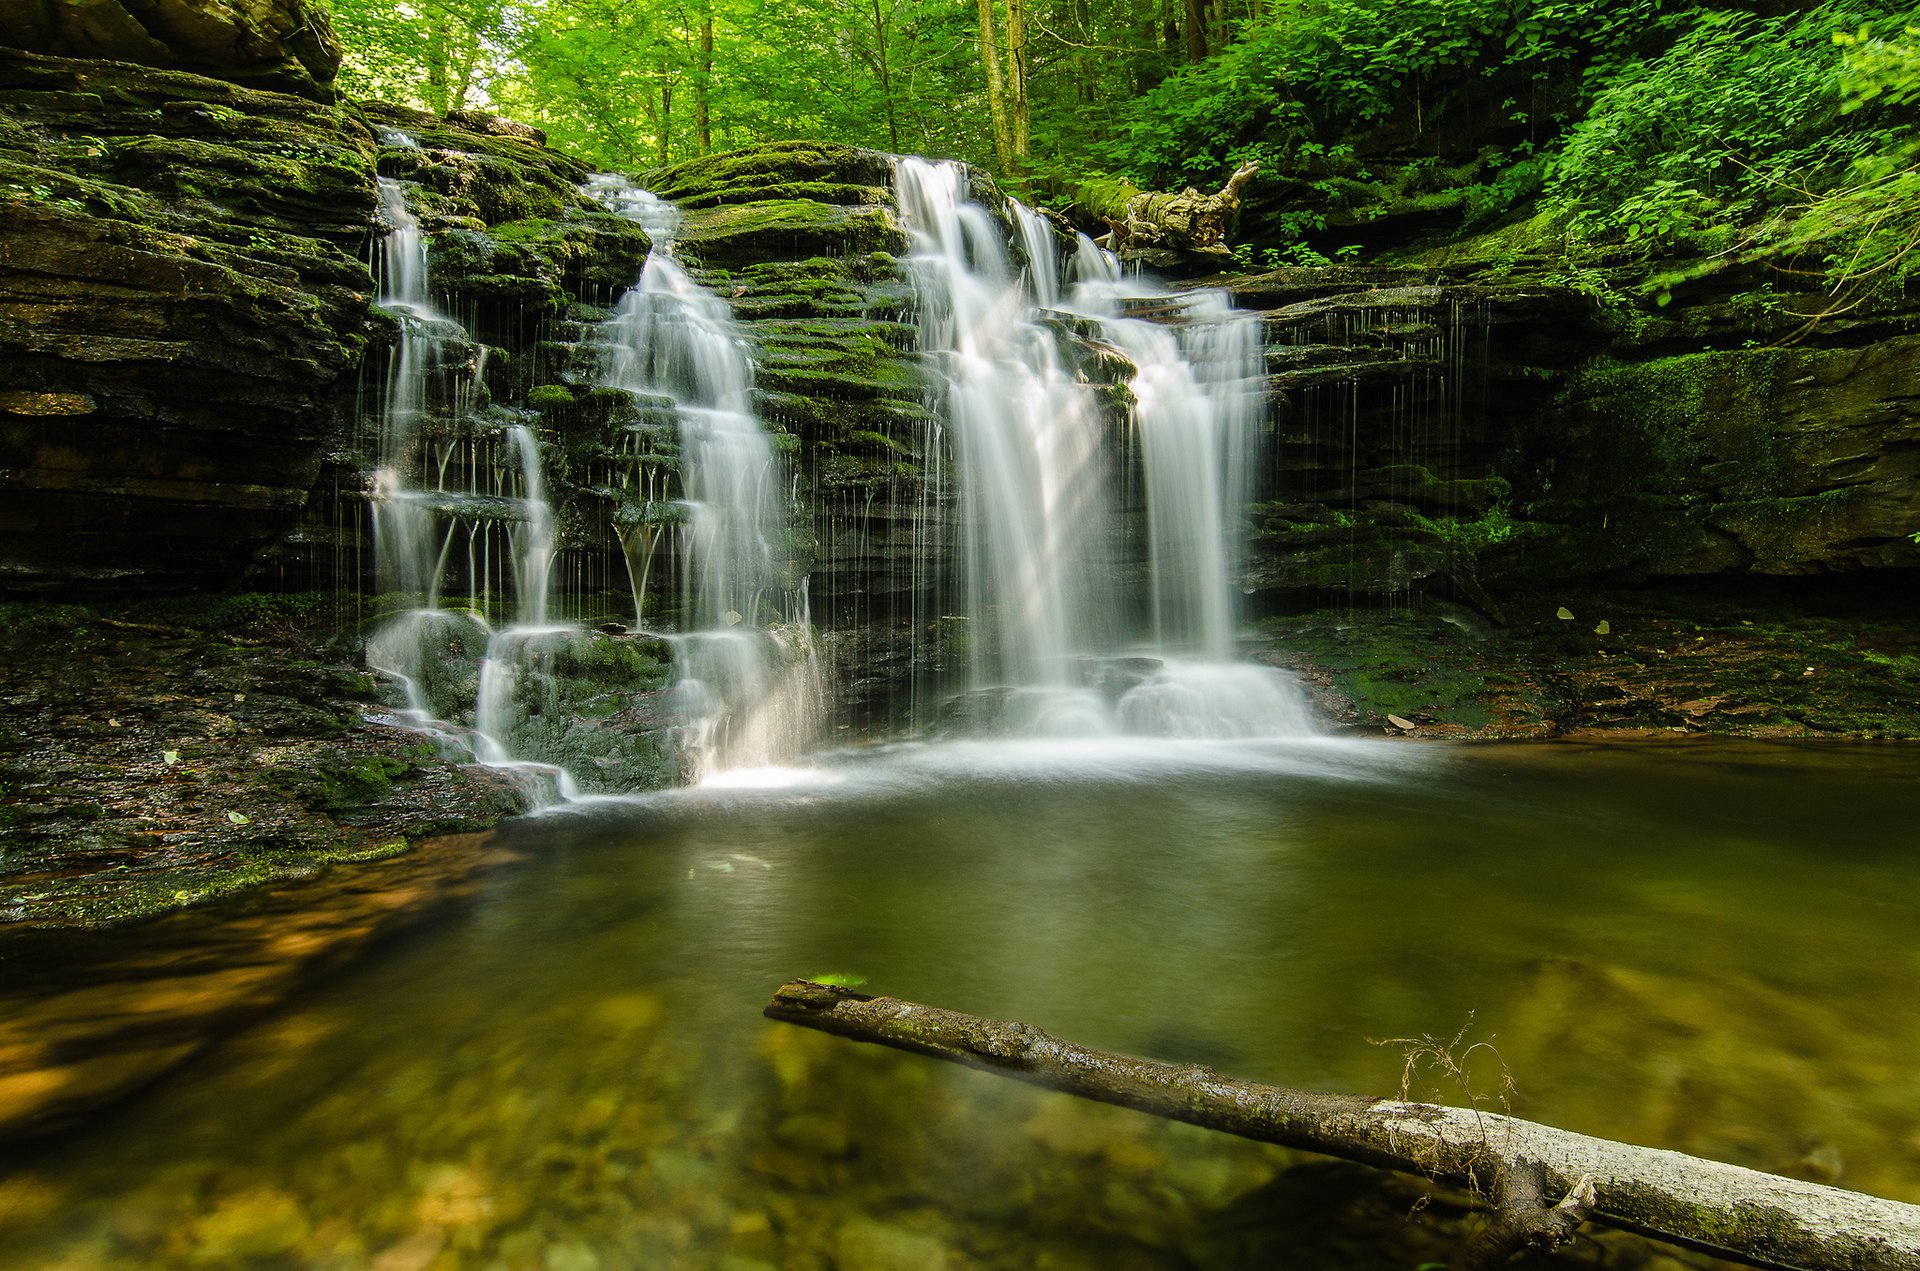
1713, 949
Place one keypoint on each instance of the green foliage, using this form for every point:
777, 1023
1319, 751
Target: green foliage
1781, 139
1310, 71
434, 54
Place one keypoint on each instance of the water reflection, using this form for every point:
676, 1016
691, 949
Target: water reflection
1708, 949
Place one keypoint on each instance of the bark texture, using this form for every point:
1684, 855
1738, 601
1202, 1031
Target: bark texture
1737, 1213
1190, 220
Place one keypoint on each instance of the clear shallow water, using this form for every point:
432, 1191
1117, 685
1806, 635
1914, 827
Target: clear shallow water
1712, 949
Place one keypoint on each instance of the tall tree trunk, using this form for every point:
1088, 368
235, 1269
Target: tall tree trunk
1195, 30
1084, 88
1022, 116
702, 82
436, 89
996, 87
886, 76
663, 123
469, 63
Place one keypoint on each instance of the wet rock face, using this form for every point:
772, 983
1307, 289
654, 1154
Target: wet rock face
1771, 461
183, 308
186, 320
287, 46
804, 240
1435, 434
1393, 397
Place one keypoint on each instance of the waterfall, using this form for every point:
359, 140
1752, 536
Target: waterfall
434, 378
750, 690
1053, 643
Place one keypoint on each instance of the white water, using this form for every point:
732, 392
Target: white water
419, 491
1044, 609
750, 689
1061, 643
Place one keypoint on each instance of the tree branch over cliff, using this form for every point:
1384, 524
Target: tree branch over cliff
1544, 1181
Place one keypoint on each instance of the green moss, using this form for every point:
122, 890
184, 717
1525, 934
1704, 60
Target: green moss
1678, 413
248, 614
1471, 536
549, 397
783, 228
335, 783
1103, 198
775, 165
1783, 533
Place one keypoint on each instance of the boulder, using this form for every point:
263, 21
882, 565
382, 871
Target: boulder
283, 45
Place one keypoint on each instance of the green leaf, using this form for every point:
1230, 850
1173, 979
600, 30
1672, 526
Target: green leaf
839, 979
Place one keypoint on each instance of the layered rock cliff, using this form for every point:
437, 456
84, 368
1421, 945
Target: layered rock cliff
183, 312
194, 358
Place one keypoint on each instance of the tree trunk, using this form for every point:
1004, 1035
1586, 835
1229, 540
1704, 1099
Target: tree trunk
886, 75
436, 86
663, 124
1740, 1214
1185, 222
1017, 107
996, 88
463, 83
1195, 29
702, 83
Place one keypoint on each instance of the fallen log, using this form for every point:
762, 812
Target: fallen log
1735, 1213
1138, 220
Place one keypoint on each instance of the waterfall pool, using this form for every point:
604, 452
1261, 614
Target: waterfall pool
1706, 947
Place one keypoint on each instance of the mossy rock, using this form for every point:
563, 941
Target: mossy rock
781, 165
198, 295
784, 229
539, 262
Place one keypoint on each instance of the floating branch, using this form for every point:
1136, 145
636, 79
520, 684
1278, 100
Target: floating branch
1739, 1214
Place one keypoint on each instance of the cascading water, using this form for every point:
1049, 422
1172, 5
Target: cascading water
418, 488
750, 682
1045, 614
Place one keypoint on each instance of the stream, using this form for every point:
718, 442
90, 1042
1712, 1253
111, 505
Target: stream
1705, 947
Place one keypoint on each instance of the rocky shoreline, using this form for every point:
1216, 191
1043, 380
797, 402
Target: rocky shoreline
163, 755
157, 759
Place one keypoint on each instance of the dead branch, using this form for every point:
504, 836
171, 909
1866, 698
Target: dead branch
1736, 1213
1188, 222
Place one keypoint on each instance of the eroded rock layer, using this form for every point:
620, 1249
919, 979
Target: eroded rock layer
283, 45
183, 311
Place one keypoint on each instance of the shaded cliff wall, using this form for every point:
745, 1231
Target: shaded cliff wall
284, 45
1440, 428
189, 344
183, 307
193, 354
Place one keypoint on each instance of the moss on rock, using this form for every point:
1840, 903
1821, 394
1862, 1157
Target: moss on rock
784, 229
747, 174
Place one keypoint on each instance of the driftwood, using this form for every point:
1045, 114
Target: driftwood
1739, 1214
1186, 222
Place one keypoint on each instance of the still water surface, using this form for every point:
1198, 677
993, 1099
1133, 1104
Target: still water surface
1715, 949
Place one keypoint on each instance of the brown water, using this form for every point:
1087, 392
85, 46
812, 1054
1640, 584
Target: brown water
1711, 949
